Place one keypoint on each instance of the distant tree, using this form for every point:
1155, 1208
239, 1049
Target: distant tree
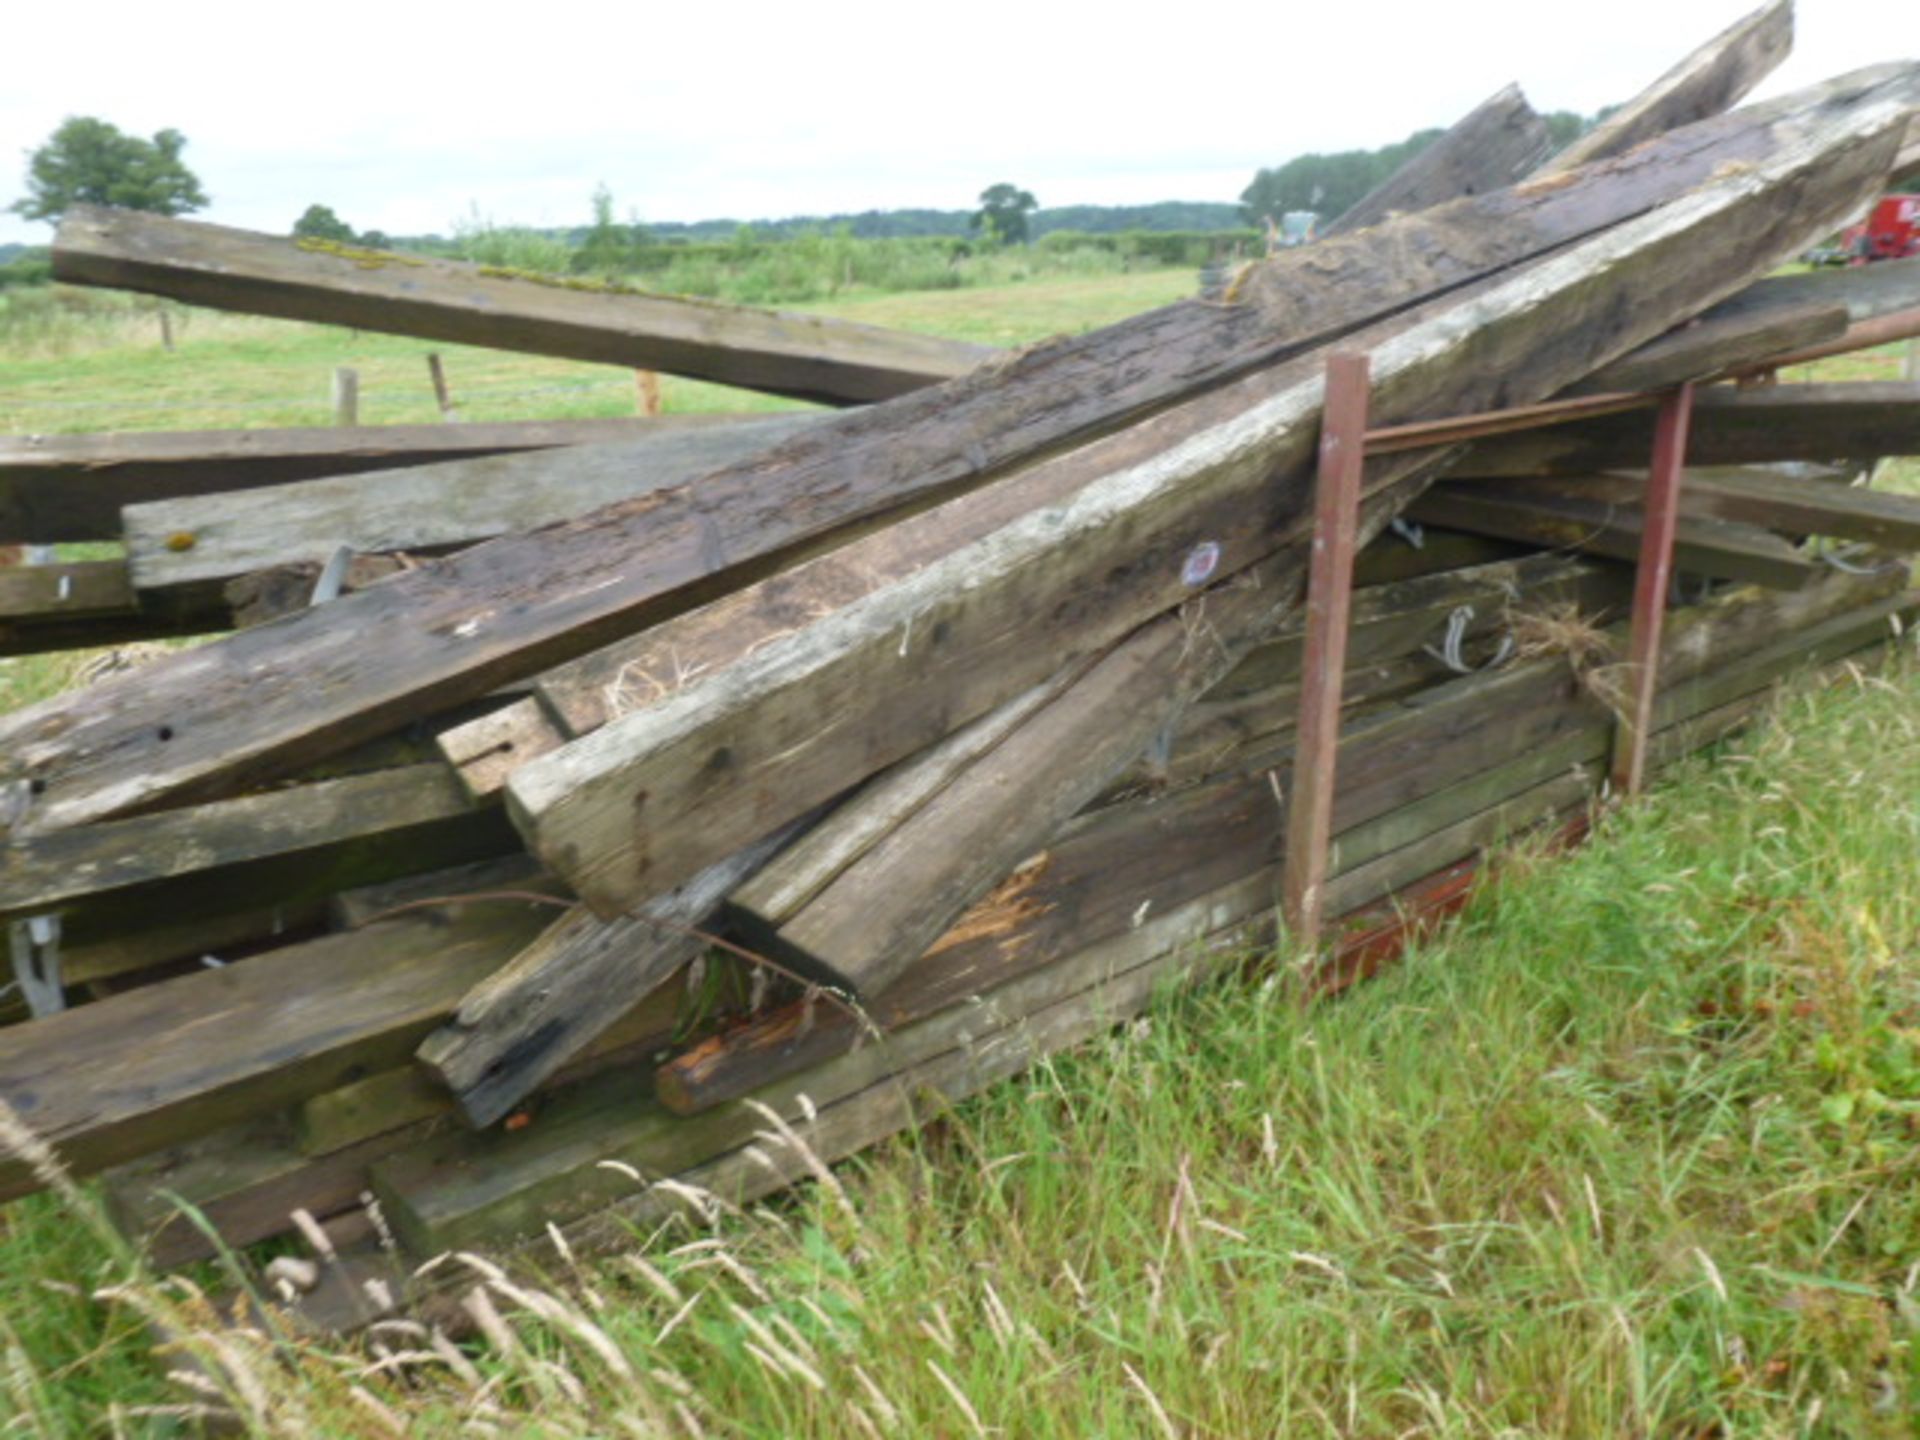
320, 223
1002, 216
608, 245
88, 161
376, 240
1327, 184
1564, 126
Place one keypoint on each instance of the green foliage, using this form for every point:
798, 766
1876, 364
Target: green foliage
28, 268
1327, 184
318, 222
1003, 212
608, 247
88, 161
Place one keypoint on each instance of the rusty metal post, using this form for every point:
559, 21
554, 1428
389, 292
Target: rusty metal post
1651, 582
1336, 527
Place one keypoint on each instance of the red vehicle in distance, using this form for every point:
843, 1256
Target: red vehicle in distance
1891, 231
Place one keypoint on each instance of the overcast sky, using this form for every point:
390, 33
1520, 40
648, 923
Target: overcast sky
407, 117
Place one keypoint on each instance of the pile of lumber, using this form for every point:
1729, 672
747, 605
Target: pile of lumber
578, 820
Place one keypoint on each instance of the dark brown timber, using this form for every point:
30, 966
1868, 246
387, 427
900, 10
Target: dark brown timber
510, 607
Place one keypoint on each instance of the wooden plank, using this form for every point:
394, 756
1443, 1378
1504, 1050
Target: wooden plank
1142, 856
516, 605
1868, 291
522, 1023
85, 604
1722, 549
295, 846
1336, 525
1789, 504
1653, 578
810, 357
724, 756
202, 539
1493, 145
105, 1082
1706, 82
59, 488
1730, 427
1709, 347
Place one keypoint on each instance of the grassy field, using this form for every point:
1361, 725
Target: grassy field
1632, 1150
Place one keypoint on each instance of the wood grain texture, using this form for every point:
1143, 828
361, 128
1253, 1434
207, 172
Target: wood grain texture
723, 757
1493, 145
201, 539
57, 488
810, 357
1710, 346
1730, 427
516, 605
1722, 549
105, 1082
1704, 83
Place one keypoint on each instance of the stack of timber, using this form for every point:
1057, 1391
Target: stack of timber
584, 821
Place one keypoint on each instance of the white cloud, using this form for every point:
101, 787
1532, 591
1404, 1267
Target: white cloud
403, 116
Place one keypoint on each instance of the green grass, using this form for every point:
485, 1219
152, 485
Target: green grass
1631, 1150
103, 368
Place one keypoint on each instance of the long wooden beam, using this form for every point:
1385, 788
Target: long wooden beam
202, 540
1730, 427
251, 707
810, 357
59, 488
640, 804
1704, 83
1493, 145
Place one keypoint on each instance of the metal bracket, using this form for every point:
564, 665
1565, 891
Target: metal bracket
35, 943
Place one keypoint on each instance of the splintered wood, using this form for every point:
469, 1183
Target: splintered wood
562, 785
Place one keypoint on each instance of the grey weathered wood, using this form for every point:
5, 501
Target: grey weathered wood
427, 507
521, 1024
1704, 83
643, 802
808, 356
1711, 346
1730, 427
516, 605
1754, 496
76, 604
1721, 549
71, 487
293, 845
346, 397
1495, 144
145, 1069
1868, 291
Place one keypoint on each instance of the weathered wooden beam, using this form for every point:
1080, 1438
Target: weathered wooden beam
200, 539
521, 1024
105, 1082
1788, 504
1711, 346
1706, 82
58, 488
516, 605
1146, 857
1730, 427
1868, 291
639, 804
78, 604
1493, 145
294, 846
807, 356
1722, 549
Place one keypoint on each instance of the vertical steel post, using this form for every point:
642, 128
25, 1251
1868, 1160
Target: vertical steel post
1651, 583
1336, 526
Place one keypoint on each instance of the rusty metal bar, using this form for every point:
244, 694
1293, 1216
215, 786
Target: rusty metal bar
1651, 583
1389, 439
1336, 530
1867, 334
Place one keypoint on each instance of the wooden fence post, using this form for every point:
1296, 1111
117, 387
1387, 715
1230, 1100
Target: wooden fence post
346, 396
1336, 525
647, 391
441, 395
